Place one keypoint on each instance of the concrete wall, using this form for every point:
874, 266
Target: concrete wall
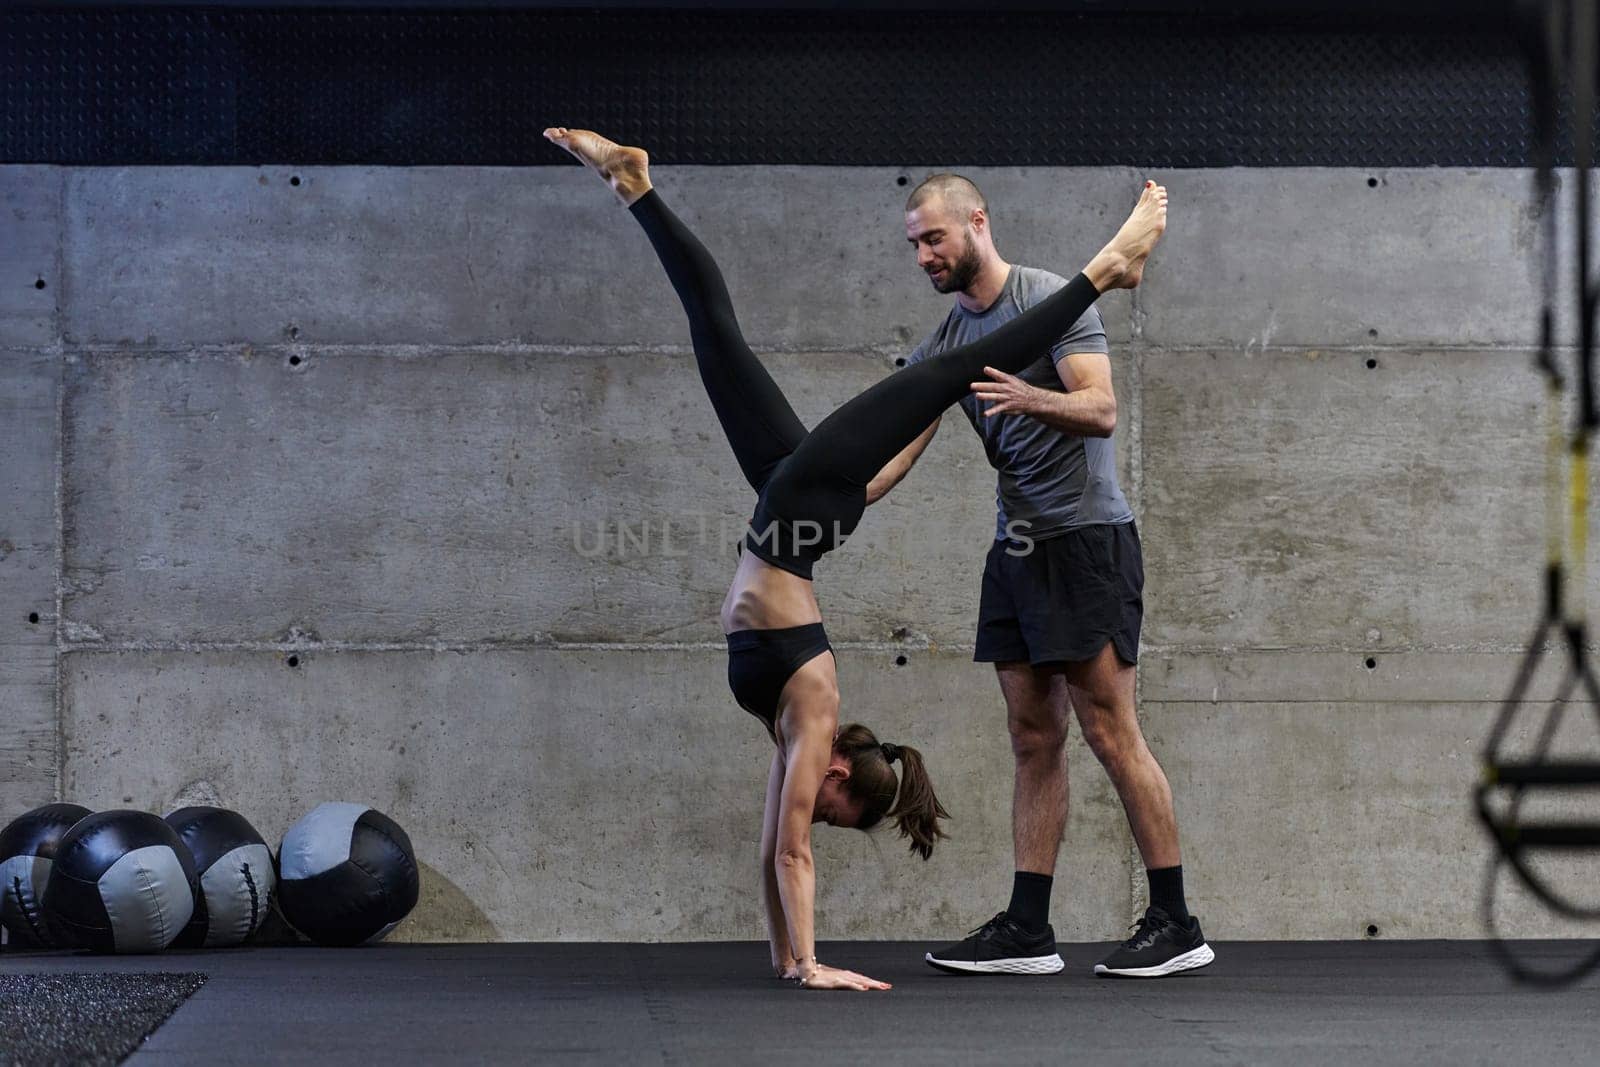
387, 422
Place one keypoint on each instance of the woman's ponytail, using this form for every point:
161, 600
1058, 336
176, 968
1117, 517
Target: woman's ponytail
918, 811
873, 782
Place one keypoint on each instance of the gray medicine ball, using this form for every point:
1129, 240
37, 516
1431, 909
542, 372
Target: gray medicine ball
123, 882
237, 881
27, 855
346, 875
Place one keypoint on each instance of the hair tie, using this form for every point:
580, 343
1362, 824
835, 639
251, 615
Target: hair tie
890, 752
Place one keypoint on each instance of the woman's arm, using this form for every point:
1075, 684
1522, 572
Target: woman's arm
809, 741
808, 722
777, 925
898, 467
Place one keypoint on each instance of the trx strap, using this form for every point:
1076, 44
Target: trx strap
1547, 32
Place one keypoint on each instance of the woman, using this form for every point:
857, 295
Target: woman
811, 490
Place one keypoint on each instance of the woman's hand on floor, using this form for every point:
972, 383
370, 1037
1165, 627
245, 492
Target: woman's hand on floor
825, 977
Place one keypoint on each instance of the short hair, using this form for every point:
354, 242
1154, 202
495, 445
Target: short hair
959, 193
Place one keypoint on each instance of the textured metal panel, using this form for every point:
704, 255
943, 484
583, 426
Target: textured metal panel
868, 87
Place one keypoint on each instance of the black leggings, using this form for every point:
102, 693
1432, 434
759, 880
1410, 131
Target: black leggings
821, 477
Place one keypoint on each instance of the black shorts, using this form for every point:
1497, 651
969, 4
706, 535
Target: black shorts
1064, 599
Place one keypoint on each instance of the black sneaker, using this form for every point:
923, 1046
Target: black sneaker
1159, 946
1000, 946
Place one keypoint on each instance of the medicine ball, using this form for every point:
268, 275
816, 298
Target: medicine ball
123, 882
27, 851
237, 881
346, 875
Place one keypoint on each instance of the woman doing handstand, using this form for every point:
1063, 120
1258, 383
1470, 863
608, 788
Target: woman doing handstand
811, 489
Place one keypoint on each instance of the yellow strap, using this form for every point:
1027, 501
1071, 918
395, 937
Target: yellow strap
1554, 454
1578, 493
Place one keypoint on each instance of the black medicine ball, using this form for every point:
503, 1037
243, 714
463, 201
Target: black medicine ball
27, 855
237, 880
346, 875
123, 882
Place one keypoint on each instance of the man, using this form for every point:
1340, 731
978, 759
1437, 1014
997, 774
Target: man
1061, 603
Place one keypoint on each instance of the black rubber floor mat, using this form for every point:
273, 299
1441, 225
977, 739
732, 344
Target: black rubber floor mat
84, 1018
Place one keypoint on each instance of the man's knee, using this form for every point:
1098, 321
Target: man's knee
1037, 709
1033, 742
1036, 728
1112, 734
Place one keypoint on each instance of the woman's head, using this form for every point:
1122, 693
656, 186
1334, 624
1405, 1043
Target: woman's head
867, 794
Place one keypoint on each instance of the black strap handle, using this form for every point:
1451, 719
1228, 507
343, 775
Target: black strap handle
1575, 774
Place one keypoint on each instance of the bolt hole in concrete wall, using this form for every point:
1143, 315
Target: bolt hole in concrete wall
295, 180
902, 180
1372, 183
294, 361
39, 284
33, 616
1372, 664
294, 661
899, 661
1372, 930
1372, 364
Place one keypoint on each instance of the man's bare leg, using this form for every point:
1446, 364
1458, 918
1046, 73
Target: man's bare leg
1019, 940
1102, 693
1037, 715
1168, 940
625, 169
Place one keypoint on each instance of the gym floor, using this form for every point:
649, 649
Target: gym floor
1412, 1002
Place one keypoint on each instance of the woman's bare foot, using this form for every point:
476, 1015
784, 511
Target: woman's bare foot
1120, 264
626, 170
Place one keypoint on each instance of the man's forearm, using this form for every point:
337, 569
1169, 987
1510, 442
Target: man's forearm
1086, 413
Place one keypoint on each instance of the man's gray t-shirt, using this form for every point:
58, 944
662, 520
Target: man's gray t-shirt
1050, 480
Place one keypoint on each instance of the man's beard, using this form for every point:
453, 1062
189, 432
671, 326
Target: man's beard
961, 273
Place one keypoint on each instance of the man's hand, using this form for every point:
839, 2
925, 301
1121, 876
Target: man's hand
1009, 394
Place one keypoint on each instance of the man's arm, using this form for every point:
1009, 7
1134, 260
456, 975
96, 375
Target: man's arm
899, 466
1088, 408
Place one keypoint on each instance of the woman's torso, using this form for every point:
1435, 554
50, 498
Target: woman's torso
774, 627
764, 597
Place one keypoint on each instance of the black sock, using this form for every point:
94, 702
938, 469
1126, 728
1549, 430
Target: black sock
1030, 899
1166, 892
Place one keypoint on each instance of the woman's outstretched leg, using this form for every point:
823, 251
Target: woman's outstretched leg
853, 444
760, 425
